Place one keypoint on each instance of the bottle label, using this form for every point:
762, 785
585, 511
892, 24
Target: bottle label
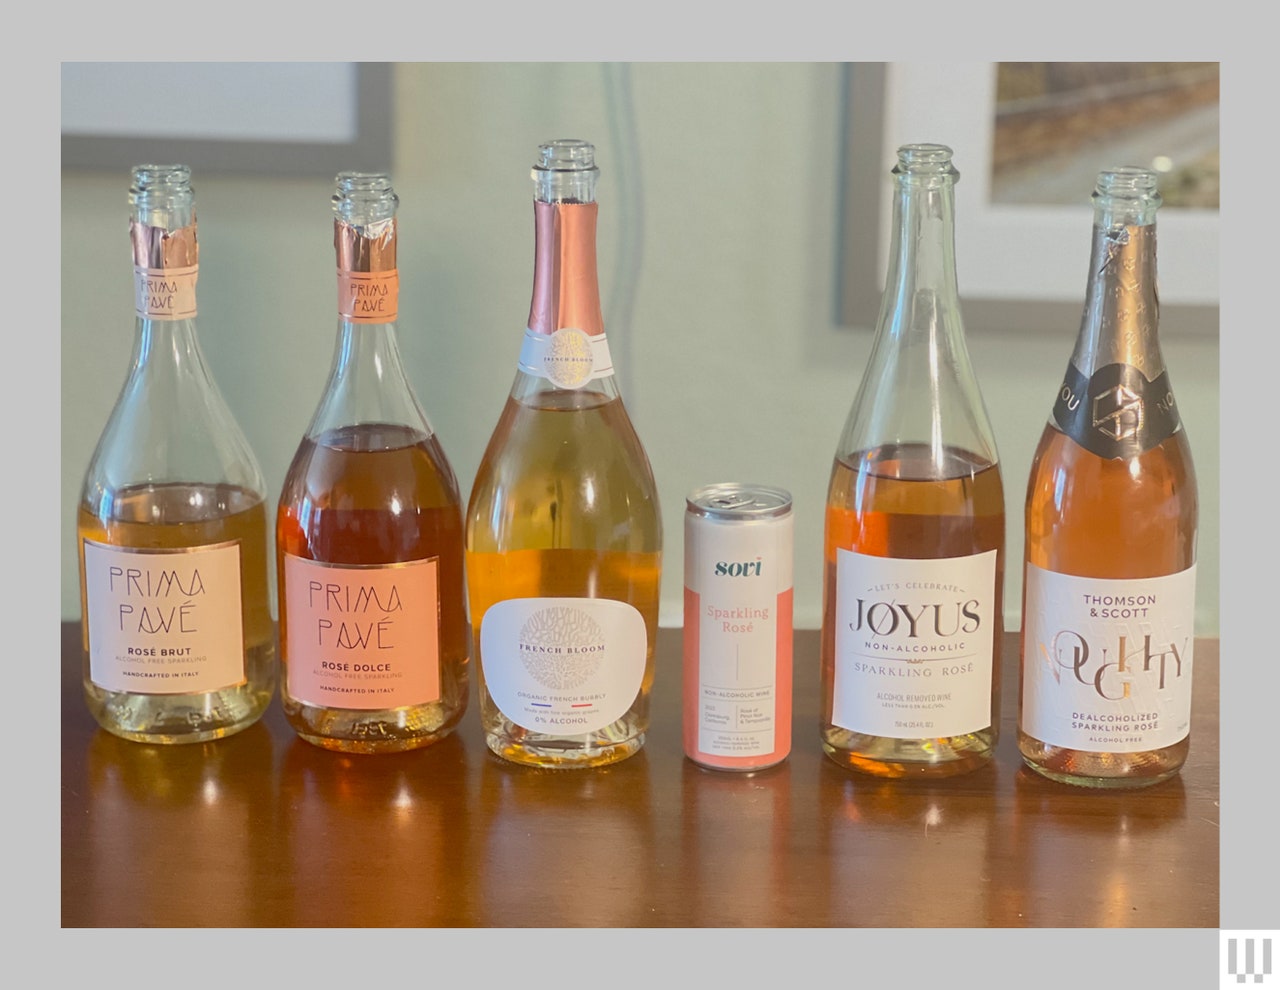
165, 293
737, 647
1116, 412
164, 621
914, 644
362, 637
568, 358
1106, 664
563, 666
368, 297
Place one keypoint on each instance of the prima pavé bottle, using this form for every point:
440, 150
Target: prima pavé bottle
1111, 520
564, 530
914, 539
373, 625
179, 644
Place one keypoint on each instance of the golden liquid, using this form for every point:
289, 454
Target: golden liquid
897, 501
1091, 516
377, 494
177, 516
564, 505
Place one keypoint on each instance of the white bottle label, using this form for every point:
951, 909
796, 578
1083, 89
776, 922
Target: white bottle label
563, 666
164, 621
1106, 665
568, 358
914, 642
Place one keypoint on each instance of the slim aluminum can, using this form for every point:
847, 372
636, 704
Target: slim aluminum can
738, 542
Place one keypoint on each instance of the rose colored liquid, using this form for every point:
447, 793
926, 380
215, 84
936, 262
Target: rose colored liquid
377, 494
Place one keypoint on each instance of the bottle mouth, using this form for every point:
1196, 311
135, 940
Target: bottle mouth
925, 160
565, 172
162, 195
1128, 182
364, 197
566, 155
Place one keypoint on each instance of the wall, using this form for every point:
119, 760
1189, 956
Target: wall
733, 365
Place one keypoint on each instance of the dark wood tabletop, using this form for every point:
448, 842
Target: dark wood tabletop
264, 830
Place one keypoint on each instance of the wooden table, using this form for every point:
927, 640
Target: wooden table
264, 830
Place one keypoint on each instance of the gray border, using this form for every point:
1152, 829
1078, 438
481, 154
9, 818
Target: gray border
862, 185
370, 151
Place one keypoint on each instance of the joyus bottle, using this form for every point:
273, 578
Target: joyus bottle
912, 622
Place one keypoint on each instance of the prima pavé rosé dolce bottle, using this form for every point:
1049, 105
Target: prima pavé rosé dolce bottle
373, 624
564, 529
179, 645
1111, 521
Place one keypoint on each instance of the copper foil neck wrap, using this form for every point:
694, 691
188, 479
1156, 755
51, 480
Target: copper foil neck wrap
156, 249
365, 248
566, 290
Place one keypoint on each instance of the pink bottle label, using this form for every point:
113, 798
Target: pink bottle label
362, 637
368, 297
165, 293
164, 621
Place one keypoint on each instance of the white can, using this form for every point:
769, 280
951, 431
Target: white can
738, 550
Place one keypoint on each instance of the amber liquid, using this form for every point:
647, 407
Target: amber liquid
176, 516
377, 494
564, 505
899, 501
1124, 518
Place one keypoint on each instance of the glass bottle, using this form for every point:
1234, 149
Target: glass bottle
564, 529
179, 644
1111, 519
373, 628
914, 539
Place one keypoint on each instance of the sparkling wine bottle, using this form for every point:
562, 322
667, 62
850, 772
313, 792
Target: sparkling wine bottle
373, 627
564, 530
178, 640
1111, 517
914, 543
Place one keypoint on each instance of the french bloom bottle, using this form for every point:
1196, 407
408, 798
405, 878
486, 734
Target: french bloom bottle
564, 530
373, 627
914, 542
1111, 521
179, 644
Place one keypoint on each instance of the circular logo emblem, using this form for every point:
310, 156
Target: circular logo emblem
568, 360
561, 646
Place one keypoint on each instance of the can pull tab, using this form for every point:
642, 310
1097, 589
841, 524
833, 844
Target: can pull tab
731, 501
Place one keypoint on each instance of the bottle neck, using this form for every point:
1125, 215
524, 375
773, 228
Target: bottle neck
921, 298
167, 347
566, 290
1121, 311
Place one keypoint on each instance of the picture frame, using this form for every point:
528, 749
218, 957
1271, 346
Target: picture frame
262, 118
1020, 268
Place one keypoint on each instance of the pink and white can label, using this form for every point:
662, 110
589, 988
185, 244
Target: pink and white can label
738, 551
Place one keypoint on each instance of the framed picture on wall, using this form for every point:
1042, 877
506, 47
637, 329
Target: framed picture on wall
1029, 139
272, 118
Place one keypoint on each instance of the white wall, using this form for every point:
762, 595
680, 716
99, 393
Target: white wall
734, 367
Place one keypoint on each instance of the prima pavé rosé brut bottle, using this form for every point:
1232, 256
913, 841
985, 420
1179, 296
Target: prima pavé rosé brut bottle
172, 528
373, 623
564, 529
914, 543
1111, 520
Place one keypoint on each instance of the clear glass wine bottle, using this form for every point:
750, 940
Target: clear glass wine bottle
1111, 522
564, 529
179, 645
914, 535
373, 625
